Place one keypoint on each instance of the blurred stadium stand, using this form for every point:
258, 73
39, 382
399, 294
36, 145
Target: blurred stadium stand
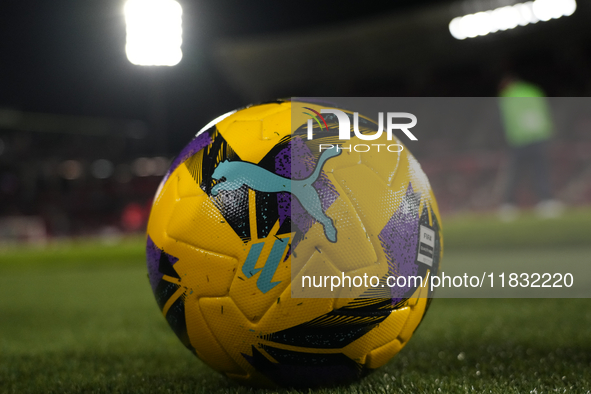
75, 174
86, 165
409, 53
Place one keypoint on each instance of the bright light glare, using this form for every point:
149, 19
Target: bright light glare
154, 32
509, 17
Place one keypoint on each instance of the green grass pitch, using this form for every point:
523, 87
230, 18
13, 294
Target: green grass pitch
81, 318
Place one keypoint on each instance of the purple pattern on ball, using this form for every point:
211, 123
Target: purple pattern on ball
153, 254
198, 143
399, 240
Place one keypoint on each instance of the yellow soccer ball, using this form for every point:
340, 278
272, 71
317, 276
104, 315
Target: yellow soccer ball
252, 208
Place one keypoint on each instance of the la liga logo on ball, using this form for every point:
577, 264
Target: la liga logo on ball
267, 196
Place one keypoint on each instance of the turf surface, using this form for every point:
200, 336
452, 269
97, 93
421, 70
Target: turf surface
81, 318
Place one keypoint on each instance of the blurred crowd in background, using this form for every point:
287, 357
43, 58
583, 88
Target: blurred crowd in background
86, 136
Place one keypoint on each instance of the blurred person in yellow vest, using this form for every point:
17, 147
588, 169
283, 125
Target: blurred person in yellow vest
528, 129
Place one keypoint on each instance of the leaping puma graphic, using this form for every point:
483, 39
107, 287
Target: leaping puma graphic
238, 173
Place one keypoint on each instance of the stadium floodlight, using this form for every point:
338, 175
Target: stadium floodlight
509, 17
154, 32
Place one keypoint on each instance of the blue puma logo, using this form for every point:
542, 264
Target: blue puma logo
238, 173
